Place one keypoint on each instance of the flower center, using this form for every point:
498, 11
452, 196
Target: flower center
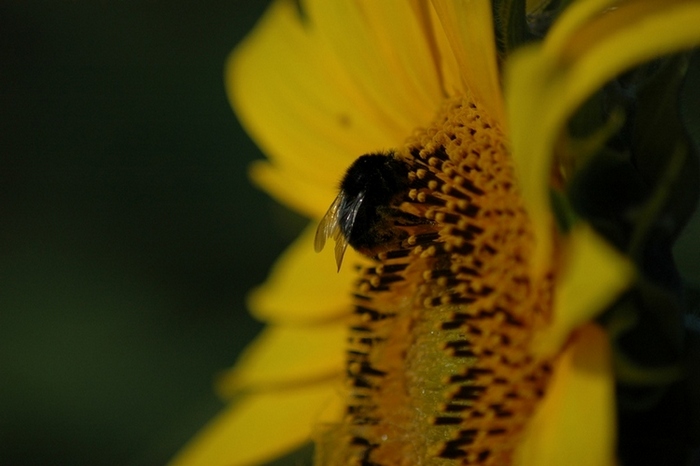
439, 369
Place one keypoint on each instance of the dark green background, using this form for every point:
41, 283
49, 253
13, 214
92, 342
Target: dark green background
129, 233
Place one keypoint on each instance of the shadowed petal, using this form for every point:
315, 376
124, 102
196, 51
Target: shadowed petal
575, 422
593, 276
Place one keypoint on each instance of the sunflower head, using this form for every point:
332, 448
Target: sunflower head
507, 294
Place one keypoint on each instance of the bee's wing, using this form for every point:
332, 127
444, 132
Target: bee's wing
328, 227
340, 246
348, 219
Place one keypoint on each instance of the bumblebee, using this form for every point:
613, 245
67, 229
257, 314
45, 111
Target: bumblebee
365, 213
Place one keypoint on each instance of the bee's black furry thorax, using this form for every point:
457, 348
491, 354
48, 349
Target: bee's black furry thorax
378, 182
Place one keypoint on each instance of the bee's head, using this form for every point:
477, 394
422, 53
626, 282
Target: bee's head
378, 177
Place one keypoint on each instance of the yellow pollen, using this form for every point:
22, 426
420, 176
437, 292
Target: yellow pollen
438, 364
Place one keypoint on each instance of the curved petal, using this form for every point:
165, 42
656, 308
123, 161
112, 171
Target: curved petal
304, 287
543, 90
593, 276
575, 422
576, 15
261, 427
594, 22
287, 356
469, 28
298, 103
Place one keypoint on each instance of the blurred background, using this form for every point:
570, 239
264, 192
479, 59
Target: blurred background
129, 232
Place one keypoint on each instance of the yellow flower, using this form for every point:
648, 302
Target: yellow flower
474, 341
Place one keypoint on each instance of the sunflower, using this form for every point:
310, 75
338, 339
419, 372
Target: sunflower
479, 336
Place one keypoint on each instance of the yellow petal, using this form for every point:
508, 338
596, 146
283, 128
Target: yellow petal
589, 24
304, 196
593, 276
469, 28
304, 287
575, 16
261, 427
443, 57
384, 52
297, 101
287, 355
575, 422
543, 89
533, 129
